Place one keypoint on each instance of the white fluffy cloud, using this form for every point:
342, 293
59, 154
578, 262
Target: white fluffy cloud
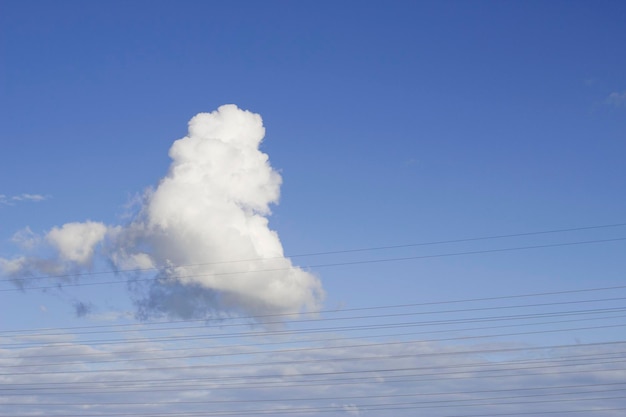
204, 227
76, 242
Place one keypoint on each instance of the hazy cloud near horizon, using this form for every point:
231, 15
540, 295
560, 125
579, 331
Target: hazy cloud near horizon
204, 228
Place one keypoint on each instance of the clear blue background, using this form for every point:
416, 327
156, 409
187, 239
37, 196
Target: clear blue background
391, 123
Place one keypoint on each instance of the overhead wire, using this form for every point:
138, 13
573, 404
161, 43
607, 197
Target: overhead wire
598, 363
360, 381
341, 251
336, 339
326, 265
266, 379
353, 397
289, 362
586, 359
220, 320
265, 333
317, 348
362, 407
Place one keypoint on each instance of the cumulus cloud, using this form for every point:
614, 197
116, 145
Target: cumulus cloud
72, 248
75, 242
204, 228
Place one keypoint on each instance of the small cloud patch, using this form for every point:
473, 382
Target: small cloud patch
24, 197
616, 99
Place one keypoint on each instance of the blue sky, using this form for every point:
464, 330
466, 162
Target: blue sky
391, 123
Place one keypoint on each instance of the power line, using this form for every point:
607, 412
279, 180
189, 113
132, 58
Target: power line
327, 265
474, 368
336, 328
362, 407
361, 380
355, 397
335, 339
380, 307
367, 249
592, 366
324, 348
594, 410
293, 362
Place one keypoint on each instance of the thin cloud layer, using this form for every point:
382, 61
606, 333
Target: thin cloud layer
338, 378
204, 228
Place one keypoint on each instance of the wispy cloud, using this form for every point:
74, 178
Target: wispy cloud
616, 99
479, 357
342, 377
25, 197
